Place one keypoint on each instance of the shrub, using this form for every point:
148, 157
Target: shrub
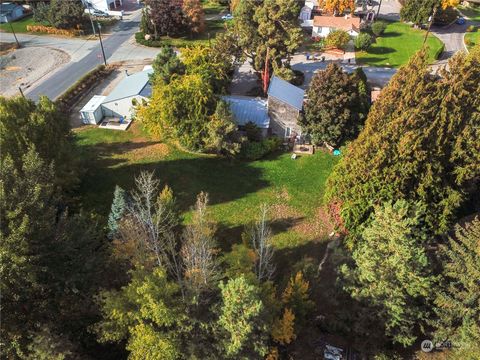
471, 28
378, 27
337, 39
363, 41
253, 132
54, 31
253, 150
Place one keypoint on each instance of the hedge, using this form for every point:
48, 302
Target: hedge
75, 92
54, 31
439, 51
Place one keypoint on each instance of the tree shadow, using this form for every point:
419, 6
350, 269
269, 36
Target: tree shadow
380, 50
187, 174
391, 34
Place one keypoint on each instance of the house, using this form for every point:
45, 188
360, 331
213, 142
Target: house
10, 12
120, 103
323, 25
285, 104
103, 5
248, 109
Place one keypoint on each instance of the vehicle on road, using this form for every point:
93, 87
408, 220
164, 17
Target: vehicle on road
99, 13
227, 17
460, 20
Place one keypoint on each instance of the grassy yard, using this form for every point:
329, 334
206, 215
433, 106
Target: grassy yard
293, 189
472, 39
397, 45
19, 26
213, 8
472, 12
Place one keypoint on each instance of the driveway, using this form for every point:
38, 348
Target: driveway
452, 36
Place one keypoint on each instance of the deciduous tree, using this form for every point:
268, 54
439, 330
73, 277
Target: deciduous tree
338, 7
334, 112
194, 16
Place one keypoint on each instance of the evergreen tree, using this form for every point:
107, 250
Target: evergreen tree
167, 64
419, 143
66, 14
419, 11
336, 108
221, 130
458, 304
391, 275
117, 210
242, 319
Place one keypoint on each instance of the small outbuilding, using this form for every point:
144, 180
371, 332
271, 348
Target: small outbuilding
92, 112
10, 12
285, 105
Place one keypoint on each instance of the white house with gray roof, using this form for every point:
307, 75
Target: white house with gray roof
120, 103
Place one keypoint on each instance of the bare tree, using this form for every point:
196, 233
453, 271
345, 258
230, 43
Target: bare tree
150, 219
261, 235
198, 251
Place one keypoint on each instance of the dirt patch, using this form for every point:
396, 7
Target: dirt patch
320, 226
23, 67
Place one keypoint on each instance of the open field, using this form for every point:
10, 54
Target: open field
397, 45
293, 188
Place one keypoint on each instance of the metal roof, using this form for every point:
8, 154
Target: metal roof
286, 92
247, 109
132, 85
7, 7
93, 103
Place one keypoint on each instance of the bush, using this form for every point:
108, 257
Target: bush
378, 27
471, 28
253, 132
337, 39
253, 150
54, 31
363, 41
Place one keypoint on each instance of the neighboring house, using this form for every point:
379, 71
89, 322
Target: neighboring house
285, 104
323, 25
10, 12
103, 5
247, 109
120, 103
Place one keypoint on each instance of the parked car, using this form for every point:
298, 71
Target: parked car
99, 13
460, 20
227, 17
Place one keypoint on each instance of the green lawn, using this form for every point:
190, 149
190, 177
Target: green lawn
472, 12
19, 26
294, 188
473, 38
213, 7
396, 46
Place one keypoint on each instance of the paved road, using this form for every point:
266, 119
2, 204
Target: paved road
61, 80
452, 37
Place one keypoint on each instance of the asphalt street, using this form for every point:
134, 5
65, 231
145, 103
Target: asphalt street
61, 80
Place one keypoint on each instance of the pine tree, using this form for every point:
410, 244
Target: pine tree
336, 108
418, 143
458, 304
167, 64
117, 210
391, 275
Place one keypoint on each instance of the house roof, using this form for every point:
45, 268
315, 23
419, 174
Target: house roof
247, 109
346, 23
132, 85
286, 92
7, 8
93, 103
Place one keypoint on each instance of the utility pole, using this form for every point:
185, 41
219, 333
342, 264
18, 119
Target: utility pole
435, 9
89, 6
379, 6
13, 31
101, 43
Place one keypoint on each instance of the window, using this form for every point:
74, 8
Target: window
288, 132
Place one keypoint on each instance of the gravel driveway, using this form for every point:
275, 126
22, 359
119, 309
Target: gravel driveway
23, 67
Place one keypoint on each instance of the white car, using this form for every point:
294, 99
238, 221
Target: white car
227, 17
